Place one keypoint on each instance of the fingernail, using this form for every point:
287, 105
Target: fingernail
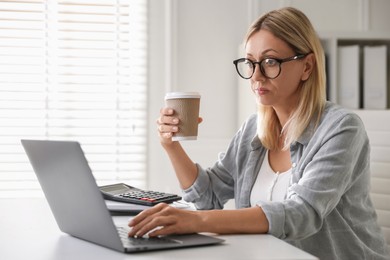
170, 111
175, 120
174, 128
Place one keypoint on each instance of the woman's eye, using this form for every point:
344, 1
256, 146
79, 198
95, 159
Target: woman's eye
270, 62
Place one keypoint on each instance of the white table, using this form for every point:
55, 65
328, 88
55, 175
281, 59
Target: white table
28, 231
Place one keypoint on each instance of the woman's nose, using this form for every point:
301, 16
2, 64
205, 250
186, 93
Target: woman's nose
258, 74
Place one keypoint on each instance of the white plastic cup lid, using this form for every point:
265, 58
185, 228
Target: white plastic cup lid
173, 95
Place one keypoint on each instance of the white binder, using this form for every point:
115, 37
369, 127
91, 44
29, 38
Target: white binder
375, 83
348, 76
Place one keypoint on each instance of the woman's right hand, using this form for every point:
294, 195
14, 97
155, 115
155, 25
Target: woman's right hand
167, 125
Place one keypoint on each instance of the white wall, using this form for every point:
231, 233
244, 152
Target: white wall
193, 44
338, 15
202, 39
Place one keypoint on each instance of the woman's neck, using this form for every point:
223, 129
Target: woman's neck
283, 115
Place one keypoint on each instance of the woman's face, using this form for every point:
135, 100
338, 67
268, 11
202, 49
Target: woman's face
283, 91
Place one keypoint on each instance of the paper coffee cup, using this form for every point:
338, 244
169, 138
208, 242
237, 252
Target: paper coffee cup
186, 109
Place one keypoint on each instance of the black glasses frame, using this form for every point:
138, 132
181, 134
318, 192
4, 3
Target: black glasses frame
280, 61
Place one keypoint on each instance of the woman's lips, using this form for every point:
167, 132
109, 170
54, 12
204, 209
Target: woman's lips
262, 91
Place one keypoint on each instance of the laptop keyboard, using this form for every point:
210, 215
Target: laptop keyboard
142, 241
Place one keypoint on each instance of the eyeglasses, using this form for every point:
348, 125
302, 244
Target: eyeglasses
269, 67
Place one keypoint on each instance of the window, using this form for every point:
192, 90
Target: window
73, 70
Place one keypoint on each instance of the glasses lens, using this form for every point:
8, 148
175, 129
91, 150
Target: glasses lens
245, 68
270, 68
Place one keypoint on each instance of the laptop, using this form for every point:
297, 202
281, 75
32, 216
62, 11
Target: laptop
78, 205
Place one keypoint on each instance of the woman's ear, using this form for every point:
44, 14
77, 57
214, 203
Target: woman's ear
309, 62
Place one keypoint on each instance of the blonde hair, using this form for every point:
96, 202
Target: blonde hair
293, 27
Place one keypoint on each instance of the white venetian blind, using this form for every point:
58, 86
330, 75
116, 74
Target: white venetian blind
73, 70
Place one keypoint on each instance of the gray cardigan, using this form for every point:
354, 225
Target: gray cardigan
328, 211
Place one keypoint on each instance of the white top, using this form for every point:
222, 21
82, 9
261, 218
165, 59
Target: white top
270, 185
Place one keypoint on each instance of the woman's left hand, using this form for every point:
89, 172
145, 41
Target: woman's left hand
163, 219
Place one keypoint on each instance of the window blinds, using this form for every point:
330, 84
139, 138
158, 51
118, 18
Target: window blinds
73, 70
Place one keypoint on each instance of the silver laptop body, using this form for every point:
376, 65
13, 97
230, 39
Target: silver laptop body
78, 205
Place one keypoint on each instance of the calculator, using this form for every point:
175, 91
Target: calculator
125, 193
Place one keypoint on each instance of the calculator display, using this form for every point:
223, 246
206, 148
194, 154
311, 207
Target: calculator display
115, 189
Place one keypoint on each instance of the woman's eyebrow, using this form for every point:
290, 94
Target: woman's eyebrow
268, 50
263, 53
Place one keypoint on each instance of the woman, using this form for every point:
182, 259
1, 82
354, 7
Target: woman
298, 170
